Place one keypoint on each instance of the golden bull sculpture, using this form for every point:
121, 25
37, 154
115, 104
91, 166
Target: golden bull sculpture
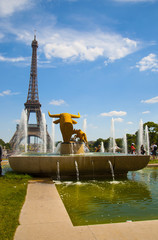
66, 126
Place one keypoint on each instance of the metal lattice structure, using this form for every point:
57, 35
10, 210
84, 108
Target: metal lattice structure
32, 105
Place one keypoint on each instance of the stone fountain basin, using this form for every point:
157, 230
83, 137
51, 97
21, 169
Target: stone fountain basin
89, 166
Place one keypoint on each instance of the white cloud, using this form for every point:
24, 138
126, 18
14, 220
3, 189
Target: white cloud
129, 123
146, 112
8, 7
152, 100
73, 50
118, 119
113, 113
57, 102
8, 92
73, 45
149, 62
14, 60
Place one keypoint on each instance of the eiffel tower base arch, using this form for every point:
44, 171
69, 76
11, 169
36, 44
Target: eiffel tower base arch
33, 131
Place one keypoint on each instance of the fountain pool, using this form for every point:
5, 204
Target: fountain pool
99, 202
90, 165
73, 161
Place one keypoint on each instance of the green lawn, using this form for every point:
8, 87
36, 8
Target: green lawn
12, 195
153, 161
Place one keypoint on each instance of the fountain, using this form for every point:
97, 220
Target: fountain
125, 144
102, 147
146, 141
85, 125
43, 133
112, 170
23, 131
53, 137
140, 136
58, 171
77, 171
143, 138
72, 159
112, 145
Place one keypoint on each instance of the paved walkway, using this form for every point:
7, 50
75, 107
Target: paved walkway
44, 217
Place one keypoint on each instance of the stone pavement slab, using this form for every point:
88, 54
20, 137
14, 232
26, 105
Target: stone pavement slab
43, 205
53, 231
44, 217
143, 230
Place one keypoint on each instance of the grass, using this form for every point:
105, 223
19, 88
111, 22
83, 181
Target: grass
153, 161
12, 195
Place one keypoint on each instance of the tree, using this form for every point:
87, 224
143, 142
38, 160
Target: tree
153, 131
2, 143
131, 138
98, 142
106, 144
119, 142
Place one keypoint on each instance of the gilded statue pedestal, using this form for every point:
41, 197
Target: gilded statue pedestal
72, 148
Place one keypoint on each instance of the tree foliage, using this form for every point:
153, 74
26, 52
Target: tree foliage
3, 144
153, 131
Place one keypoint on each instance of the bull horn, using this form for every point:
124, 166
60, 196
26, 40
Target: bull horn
75, 116
54, 115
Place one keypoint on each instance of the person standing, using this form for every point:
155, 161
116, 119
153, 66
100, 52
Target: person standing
133, 148
0, 159
142, 149
153, 150
97, 149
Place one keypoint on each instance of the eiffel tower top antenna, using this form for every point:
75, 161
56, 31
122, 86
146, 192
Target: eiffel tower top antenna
35, 34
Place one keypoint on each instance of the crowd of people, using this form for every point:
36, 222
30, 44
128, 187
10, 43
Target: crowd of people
142, 151
153, 150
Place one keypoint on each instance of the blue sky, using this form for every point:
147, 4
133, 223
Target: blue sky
98, 58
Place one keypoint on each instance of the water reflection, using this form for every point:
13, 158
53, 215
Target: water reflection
95, 202
5, 167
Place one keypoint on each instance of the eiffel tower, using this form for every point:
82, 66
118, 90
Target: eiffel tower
32, 105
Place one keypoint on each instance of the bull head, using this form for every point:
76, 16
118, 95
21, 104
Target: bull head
66, 124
